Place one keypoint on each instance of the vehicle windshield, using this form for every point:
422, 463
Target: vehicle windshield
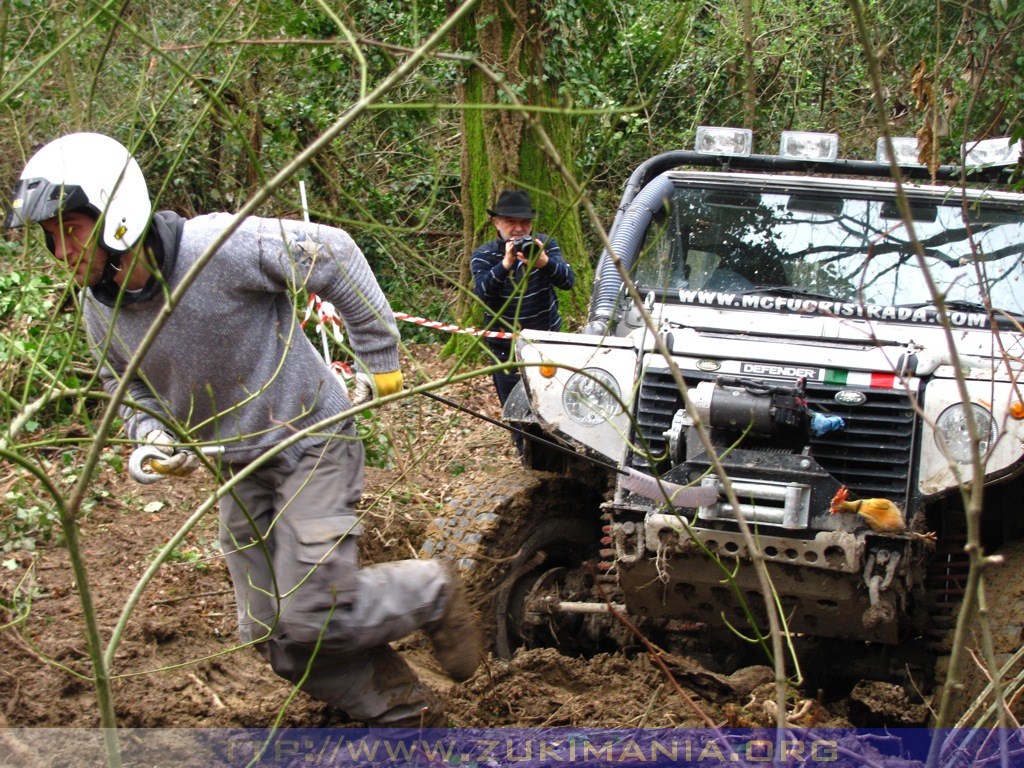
855, 249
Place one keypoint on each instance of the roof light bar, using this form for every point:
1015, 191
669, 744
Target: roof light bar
906, 149
804, 145
990, 152
736, 142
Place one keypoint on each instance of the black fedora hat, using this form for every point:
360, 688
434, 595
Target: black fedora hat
513, 204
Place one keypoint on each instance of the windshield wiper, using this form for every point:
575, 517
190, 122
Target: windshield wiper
785, 292
959, 305
956, 304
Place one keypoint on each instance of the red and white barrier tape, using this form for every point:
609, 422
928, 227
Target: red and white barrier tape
327, 316
449, 328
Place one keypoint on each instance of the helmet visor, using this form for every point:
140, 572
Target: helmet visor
37, 200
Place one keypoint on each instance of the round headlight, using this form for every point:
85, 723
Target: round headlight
591, 397
951, 431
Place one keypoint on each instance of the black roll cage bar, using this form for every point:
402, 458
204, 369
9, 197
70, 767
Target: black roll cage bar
670, 160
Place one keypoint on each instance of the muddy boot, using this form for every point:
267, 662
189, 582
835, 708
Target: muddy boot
456, 635
429, 716
410, 703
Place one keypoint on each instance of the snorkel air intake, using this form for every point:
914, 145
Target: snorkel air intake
645, 194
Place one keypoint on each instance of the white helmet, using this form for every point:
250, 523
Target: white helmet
90, 171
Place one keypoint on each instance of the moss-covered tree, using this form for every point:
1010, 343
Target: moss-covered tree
512, 109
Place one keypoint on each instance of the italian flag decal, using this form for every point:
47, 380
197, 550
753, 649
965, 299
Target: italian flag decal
859, 379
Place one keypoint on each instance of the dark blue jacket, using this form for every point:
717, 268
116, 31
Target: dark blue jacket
519, 299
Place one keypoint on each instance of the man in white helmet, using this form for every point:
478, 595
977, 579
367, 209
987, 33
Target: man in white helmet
231, 368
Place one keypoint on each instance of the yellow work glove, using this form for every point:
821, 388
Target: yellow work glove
179, 462
363, 390
388, 383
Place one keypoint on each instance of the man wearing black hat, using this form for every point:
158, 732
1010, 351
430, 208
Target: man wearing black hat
516, 275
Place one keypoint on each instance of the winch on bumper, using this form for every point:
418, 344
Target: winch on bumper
832, 577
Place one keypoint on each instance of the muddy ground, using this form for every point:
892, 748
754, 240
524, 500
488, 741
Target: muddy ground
177, 665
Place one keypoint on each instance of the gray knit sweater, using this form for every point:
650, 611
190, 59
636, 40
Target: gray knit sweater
232, 366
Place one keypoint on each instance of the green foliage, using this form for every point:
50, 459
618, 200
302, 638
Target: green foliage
380, 452
215, 98
37, 338
27, 521
195, 553
29, 517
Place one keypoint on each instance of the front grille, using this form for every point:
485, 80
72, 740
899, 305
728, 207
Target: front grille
872, 456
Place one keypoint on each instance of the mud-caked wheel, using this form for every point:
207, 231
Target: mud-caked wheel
1004, 597
545, 569
521, 540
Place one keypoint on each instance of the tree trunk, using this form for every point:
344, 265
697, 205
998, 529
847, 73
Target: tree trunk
749, 73
502, 149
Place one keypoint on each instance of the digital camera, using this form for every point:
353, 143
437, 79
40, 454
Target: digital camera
529, 246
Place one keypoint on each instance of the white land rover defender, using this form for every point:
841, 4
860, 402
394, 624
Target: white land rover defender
786, 309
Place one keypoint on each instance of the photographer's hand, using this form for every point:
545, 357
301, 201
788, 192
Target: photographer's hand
539, 259
510, 255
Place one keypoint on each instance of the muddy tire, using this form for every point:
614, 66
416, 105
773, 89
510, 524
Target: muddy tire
1004, 595
543, 564
513, 532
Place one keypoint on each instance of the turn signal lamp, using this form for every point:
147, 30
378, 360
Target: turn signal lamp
904, 147
735, 142
548, 370
804, 145
1017, 410
991, 152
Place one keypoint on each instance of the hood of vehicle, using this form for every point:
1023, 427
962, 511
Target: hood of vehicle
829, 340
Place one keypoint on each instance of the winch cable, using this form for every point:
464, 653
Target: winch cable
639, 483
523, 433
648, 486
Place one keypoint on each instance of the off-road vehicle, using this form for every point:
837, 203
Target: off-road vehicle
785, 333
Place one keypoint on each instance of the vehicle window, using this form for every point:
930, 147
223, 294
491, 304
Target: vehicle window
851, 248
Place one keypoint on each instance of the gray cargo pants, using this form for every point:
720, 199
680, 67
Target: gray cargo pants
289, 540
